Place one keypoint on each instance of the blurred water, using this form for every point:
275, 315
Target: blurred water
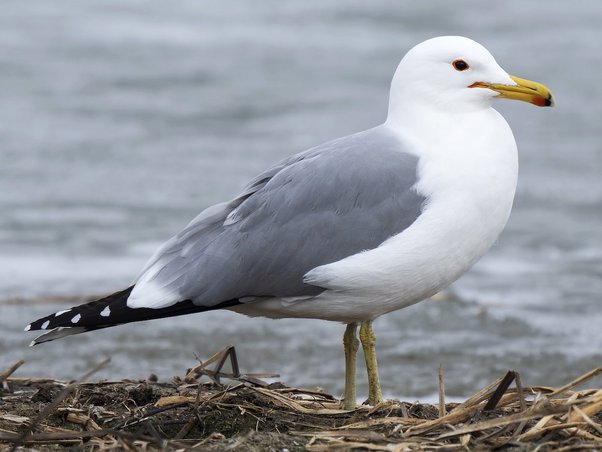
120, 120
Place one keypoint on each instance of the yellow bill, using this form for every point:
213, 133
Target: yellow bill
525, 90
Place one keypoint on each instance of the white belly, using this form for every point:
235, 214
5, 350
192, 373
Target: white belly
470, 190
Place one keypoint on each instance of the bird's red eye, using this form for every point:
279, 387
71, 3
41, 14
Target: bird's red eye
460, 65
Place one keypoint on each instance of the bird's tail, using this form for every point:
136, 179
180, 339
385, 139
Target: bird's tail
107, 312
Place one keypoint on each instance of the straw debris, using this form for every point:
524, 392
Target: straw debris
248, 414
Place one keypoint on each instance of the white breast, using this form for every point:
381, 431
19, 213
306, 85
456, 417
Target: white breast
470, 180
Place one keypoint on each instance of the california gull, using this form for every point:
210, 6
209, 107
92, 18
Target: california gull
353, 228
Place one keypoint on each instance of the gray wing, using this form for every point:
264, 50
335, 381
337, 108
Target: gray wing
315, 208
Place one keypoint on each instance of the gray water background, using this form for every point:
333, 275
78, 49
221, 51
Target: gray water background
121, 120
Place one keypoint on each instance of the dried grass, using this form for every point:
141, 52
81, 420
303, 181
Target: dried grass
253, 415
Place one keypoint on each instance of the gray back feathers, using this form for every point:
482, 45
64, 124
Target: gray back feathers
315, 208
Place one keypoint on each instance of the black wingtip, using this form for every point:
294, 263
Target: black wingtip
107, 312
85, 315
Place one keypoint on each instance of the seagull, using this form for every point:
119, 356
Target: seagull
353, 228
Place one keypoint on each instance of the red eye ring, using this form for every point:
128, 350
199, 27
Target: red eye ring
460, 65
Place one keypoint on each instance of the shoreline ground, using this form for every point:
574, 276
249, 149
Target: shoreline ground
226, 411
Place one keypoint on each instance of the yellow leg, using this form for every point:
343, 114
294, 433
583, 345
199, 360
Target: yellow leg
368, 339
351, 345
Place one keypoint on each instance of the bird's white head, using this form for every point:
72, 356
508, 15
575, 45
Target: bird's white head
456, 74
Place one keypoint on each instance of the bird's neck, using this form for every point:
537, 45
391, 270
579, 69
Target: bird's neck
434, 129
420, 117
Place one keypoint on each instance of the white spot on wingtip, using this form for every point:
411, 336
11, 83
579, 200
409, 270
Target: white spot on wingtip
76, 319
32, 343
61, 312
106, 312
27, 328
45, 324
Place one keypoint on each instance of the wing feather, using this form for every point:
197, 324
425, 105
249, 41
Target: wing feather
315, 208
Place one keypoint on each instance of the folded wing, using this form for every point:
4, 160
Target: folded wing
320, 206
